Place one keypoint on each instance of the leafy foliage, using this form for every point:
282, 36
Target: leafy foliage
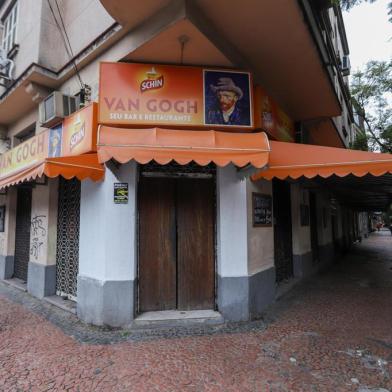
361, 142
371, 91
348, 4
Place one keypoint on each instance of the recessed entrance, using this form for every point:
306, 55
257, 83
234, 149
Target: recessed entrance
176, 243
22, 232
313, 227
283, 248
68, 221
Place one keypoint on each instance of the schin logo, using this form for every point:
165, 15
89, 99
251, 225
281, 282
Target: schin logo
78, 136
154, 81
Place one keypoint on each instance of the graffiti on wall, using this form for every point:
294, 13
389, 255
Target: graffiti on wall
38, 233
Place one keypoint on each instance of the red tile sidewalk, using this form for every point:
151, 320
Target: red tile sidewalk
332, 333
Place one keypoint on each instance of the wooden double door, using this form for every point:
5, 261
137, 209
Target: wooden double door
176, 244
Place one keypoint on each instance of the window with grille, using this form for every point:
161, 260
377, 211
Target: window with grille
9, 28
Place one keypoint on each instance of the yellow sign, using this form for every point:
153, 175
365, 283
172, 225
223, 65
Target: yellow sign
25, 155
76, 135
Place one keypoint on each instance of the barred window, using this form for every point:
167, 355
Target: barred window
9, 28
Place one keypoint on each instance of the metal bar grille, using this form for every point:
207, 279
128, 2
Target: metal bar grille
22, 233
67, 255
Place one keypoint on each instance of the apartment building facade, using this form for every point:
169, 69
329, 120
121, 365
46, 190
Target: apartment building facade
158, 215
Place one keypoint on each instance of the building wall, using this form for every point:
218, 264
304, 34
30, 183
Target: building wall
302, 251
260, 239
41, 277
261, 265
108, 261
324, 219
84, 21
107, 250
363, 218
301, 234
28, 121
10, 222
39, 38
27, 33
4, 234
8, 237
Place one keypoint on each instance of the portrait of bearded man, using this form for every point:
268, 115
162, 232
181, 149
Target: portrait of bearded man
226, 108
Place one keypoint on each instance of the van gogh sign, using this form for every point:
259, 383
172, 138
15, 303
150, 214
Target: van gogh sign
153, 94
75, 136
24, 155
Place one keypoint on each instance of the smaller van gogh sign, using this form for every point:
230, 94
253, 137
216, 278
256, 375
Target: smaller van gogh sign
76, 135
80, 131
26, 154
156, 95
271, 118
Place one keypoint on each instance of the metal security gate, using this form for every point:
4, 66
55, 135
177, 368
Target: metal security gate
22, 233
67, 255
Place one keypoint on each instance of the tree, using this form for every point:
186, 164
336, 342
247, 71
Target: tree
348, 4
361, 142
371, 91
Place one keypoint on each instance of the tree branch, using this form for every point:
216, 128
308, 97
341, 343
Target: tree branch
375, 137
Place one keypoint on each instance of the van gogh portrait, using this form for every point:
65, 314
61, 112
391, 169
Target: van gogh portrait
227, 98
55, 141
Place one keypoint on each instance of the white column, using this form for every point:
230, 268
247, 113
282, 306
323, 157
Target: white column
41, 279
232, 245
302, 249
7, 238
107, 254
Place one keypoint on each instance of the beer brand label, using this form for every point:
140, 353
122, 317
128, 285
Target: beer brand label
77, 137
154, 81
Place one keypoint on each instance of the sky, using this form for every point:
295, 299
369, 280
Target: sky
369, 33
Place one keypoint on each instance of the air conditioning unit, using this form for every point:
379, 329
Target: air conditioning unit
55, 107
345, 66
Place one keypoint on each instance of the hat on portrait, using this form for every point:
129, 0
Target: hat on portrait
227, 84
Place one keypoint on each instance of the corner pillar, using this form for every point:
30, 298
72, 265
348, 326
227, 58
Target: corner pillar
7, 237
302, 249
107, 254
232, 249
41, 273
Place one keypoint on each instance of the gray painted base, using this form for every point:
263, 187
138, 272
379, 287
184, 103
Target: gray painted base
233, 298
327, 253
262, 288
303, 265
105, 302
245, 297
41, 279
6, 267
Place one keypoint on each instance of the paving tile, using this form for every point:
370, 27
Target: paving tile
331, 333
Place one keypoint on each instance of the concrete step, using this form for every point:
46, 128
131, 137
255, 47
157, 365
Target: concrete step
60, 302
174, 318
17, 283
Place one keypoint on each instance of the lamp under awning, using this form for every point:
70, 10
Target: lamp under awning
182, 146
80, 166
291, 160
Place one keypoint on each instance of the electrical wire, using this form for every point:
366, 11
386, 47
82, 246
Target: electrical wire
66, 41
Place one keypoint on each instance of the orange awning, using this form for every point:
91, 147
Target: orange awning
182, 146
80, 166
297, 160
